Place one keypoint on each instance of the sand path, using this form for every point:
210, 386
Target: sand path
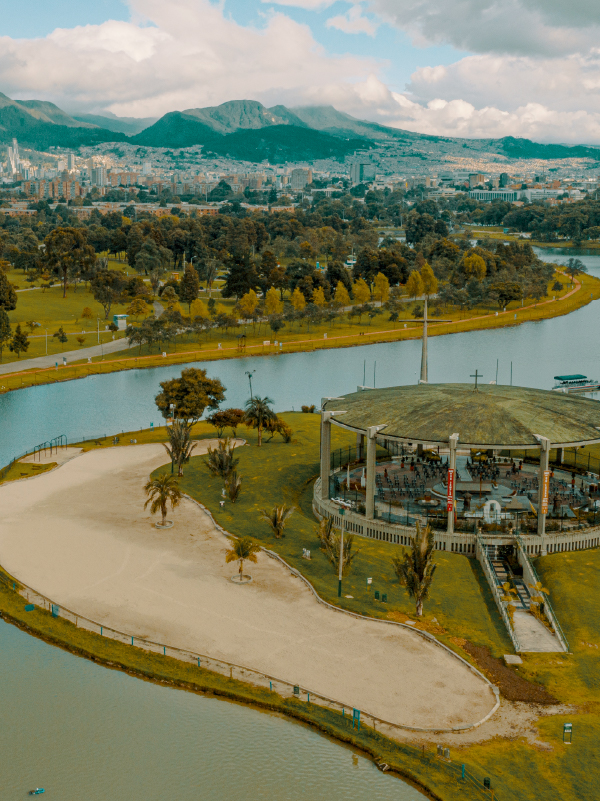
80, 536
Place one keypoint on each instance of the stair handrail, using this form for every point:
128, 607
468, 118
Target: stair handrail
551, 615
493, 581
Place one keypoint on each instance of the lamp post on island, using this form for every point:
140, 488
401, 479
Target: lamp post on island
341, 557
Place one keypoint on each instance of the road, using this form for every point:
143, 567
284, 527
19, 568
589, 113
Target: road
71, 356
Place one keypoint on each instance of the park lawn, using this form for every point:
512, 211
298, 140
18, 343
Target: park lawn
18, 470
283, 473
49, 309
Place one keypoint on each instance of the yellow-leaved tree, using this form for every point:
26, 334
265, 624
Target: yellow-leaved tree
341, 297
474, 266
298, 300
247, 304
382, 288
361, 292
414, 285
430, 282
319, 297
273, 305
198, 309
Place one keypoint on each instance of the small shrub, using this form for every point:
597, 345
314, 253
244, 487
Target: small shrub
309, 409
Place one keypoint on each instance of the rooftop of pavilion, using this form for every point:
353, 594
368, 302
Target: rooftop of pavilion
491, 416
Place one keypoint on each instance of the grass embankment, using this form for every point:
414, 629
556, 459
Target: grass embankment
18, 470
343, 334
521, 769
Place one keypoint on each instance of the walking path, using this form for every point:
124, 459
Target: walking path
70, 356
80, 535
533, 636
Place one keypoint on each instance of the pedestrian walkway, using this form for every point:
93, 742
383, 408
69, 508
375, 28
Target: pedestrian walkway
533, 636
71, 356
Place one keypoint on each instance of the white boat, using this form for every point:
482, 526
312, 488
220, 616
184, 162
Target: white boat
575, 383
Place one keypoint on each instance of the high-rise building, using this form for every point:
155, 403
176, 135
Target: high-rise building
146, 168
13, 157
504, 179
70, 161
475, 179
362, 172
99, 175
300, 178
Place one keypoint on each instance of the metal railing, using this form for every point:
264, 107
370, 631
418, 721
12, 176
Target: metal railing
484, 560
535, 579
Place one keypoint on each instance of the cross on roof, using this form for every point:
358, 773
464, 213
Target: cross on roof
476, 376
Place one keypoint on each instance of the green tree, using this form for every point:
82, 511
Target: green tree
19, 343
8, 295
5, 332
258, 414
61, 336
573, 267
162, 490
414, 285
189, 287
107, 288
415, 571
68, 253
242, 550
277, 518
190, 395
180, 445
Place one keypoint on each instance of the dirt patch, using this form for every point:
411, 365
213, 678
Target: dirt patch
512, 686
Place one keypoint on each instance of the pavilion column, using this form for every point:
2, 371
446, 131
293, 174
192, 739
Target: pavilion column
325, 453
543, 489
371, 468
559, 455
451, 500
360, 446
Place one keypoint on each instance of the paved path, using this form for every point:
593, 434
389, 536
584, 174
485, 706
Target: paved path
70, 356
533, 636
80, 535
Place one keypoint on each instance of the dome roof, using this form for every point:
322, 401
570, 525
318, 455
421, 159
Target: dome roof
489, 417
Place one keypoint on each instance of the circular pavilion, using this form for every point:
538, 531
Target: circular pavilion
450, 436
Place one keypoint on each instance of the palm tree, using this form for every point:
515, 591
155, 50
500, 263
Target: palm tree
243, 549
220, 460
161, 490
180, 445
233, 485
331, 545
415, 571
277, 517
259, 414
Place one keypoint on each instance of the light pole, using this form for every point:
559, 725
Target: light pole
341, 558
46, 341
250, 373
172, 408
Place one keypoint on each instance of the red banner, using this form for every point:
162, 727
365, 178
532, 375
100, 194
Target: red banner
450, 505
545, 492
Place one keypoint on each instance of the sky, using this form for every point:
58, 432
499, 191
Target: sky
472, 68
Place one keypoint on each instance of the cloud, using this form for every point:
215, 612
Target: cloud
353, 22
184, 54
310, 5
460, 118
548, 28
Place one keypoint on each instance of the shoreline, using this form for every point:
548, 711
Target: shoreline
572, 301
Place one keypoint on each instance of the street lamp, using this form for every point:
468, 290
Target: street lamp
250, 373
172, 408
341, 558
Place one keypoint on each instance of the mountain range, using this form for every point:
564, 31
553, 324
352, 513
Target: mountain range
247, 130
